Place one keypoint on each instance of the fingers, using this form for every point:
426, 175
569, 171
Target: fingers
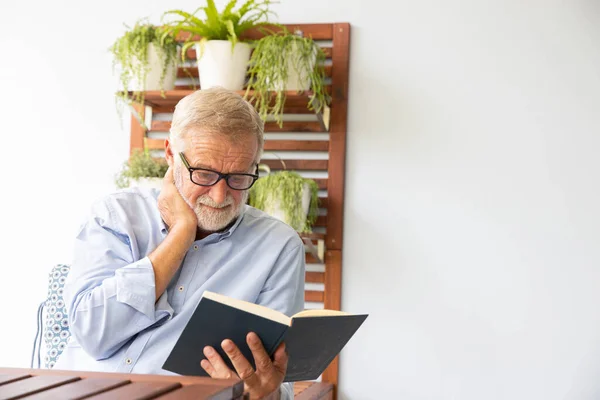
217, 368
261, 358
240, 363
169, 174
280, 359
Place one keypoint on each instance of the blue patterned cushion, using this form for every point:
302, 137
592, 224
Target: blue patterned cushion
56, 327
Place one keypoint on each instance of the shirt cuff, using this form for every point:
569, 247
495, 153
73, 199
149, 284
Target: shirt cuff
136, 286
287, 391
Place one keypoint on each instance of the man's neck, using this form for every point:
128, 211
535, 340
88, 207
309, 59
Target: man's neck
201, 234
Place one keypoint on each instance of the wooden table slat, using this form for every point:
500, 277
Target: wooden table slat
80, 389
4, 378
32, 385
138, 391
198, 392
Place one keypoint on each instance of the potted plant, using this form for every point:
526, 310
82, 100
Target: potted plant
221, 53
281, 62
142, 170
287, 196
147, 59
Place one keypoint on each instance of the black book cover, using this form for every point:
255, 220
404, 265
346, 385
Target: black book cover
313, 342
213, 322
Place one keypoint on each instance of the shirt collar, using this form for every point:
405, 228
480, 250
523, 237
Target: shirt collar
229, 232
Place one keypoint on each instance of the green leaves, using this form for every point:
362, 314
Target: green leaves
286, 188
227, 25
141, 164
130, 54
270, 64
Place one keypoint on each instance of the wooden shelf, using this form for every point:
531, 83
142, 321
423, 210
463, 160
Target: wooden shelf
169, 98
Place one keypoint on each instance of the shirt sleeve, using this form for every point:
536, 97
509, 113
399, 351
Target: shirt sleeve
284, 290
109, 296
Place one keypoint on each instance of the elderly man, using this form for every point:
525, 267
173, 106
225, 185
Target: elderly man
143, 258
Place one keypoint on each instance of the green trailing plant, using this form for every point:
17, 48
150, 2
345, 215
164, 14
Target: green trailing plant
269, 68
229, 24
286, 187
130, 53
140, 164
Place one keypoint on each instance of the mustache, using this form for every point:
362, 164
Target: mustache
207, 201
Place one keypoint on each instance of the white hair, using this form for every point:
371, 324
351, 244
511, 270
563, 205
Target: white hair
216, 111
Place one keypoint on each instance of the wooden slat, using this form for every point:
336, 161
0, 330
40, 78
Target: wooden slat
236, 385
313, 390
294, 126
296, 145
160, 126
33, 385
302, 165
138, 390
315, 31
195, 86
197, 392
164, 109
169, 107
310, 259
192, 72
80, 389
333, 301
315, 277
156, 98
155, 144
323, 201
322, 184
315, 236
288, 126
4, 378
337, 128
313, 296
321, 220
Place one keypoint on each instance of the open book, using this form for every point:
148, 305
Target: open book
312, 337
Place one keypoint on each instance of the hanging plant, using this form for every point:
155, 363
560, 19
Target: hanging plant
281, 193
131, 54
284, 61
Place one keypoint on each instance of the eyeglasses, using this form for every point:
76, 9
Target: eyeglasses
208, 177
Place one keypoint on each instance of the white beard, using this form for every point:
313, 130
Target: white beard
210, 220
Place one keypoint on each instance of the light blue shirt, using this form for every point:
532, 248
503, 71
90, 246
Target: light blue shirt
115, 323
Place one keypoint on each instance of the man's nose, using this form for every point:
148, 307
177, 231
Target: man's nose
218, 192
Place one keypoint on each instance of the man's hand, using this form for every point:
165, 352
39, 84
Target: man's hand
182, 223
260, 384
173, 208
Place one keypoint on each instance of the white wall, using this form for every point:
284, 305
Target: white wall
472, 211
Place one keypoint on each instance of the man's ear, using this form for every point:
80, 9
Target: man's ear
169, 153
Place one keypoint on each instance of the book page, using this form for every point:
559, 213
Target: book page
252, 308
318, 313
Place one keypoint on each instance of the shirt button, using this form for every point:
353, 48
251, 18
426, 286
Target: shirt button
180, 288
128, 361
195, 247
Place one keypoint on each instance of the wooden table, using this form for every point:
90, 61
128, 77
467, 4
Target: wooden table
38, 384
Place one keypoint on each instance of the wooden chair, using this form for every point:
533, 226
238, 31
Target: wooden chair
313, 145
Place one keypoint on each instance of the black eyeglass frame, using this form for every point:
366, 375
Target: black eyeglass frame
221, 175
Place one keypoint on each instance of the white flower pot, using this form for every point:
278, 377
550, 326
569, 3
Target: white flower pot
153, 76
218, 65
273, 208
148, 183
296, 80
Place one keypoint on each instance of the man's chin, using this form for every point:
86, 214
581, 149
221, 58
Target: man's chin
214, 226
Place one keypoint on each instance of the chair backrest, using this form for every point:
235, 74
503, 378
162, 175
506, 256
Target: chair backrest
53, 324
